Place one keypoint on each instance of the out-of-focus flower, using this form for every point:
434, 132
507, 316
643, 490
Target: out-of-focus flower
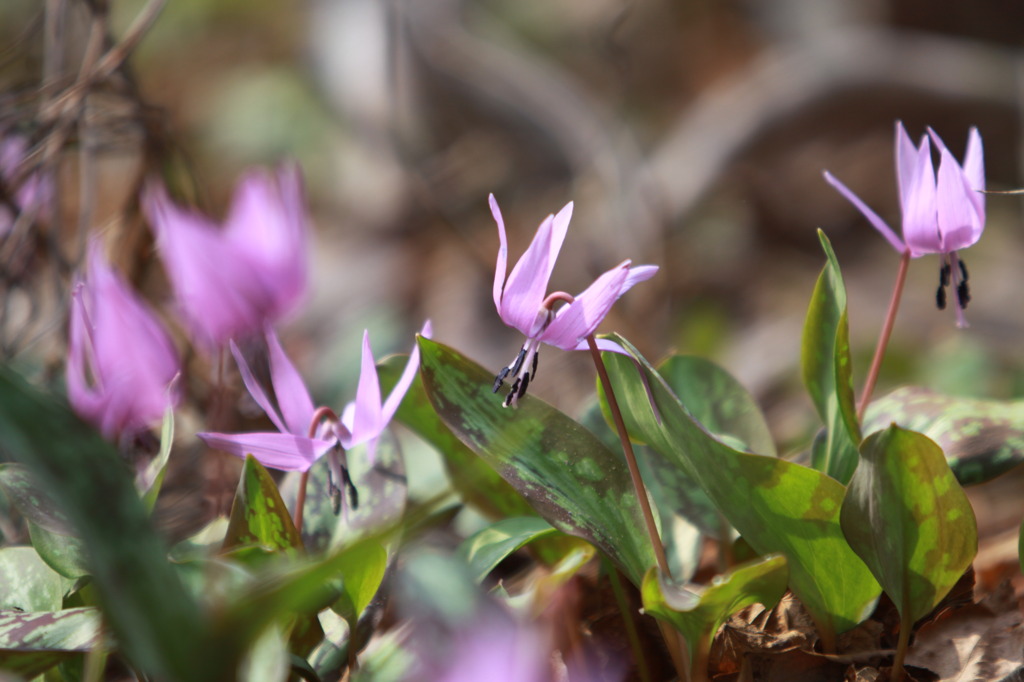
364, 419
20, 193
291, 448
231, 282
941, 213
121, 362
523, 303
499, 651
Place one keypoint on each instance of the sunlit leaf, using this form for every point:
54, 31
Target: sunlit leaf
776, 505
27, 583
152, 478
487, 548
33, 642
980, 438
699, 615
570, 478
258, 514
909, 520
827, 371
361, 575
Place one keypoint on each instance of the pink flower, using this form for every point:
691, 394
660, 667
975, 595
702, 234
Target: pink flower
121, 362
941, 213
231, 282
20, 193
523, 303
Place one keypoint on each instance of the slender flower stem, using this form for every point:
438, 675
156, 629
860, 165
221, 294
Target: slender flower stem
883, 338
319, 415
627, 448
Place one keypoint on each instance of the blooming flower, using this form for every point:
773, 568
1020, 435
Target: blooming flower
231, 282
941, 214
19, 194
121, 362
300, 440
523, 304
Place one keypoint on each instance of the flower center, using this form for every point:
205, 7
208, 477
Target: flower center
947, 277
523, 369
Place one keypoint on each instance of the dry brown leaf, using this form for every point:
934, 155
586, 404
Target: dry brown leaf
975, 644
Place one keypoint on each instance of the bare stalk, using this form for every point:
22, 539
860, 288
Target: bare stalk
883, 337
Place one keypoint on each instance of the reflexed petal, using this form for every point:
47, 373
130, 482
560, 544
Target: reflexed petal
920, 228
957, 218
282, 451
367, 419
974, 172
907, 165
502, 263
405, 381
256, 391
292, 396
872, 217
637, 274
581, 317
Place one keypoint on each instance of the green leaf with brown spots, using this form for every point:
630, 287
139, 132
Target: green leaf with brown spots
776, 505
258, 514
827, 371
27, 583
909, 520
981, 438
699, 615
566, 473
32, 642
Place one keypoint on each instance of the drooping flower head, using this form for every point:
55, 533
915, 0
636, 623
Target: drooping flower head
305, 433
942, 213
229, 283
121, 362
523, 303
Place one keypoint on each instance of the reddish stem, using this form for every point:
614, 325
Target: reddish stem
883, 338
319, 415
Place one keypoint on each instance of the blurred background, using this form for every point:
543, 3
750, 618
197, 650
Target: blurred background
691, 134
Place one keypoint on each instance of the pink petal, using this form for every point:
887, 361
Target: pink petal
404, 381
282, 451
367, 418
256, 391
974, 173
292, 395
906, 163
580, 318
957, 219
920, 226
502, 263
872, 217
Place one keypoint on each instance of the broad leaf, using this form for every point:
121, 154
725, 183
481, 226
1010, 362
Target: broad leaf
776, 505
565, 472
981, 438
492, 545
827, 372
158, 625
27, 583
33, 642
258, 514
698, 616
361, 576
477, 483
909, 520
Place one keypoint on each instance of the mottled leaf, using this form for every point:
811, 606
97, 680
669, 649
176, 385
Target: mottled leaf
27, 583
33, 642
827, 371
258, 514
565, 472
981, 438
699, 615
776, 505
909, 520
487, 548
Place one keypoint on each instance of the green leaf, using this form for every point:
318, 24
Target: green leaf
909, 520
158, 625
698, 616
258, 514
33, 642
27, 583
361, 576
477, 483
981, 438
565, 472
490, 546
827, 371
382, 489
152, 478
776, 505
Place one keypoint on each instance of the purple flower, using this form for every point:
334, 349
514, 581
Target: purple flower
941, 213
299, 442
231, 282
523, 303
121, 362
20, 193
499, 651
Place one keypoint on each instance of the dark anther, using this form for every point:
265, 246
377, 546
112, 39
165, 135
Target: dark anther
522, 388
940, 297
518, 364
536, 358
963, 294
944, 273
963, 270
511, 369
350, 487
500, 378
512, 392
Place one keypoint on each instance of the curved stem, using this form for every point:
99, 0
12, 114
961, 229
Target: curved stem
883, 337
319, 415
897, 673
